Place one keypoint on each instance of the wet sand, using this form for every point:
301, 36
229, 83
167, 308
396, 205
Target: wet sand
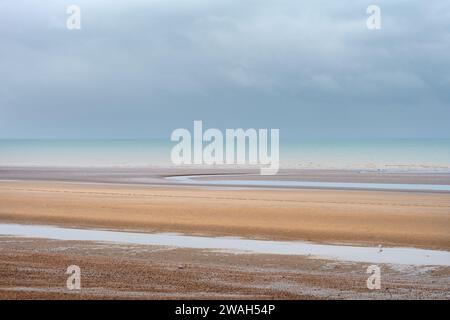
155, 176
355, 217
121, 200
35, 269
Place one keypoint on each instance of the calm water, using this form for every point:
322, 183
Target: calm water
408, 154
407, 256
249, 184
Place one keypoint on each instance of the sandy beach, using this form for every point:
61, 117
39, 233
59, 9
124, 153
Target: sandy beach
373, 218
35, 269
349, 217
225, 150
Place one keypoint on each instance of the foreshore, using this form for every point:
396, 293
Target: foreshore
120, 200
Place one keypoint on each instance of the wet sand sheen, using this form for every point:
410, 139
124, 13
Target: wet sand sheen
309, 221
407, 256
114, 271
242, 182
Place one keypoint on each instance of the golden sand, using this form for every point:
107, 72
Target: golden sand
361, 217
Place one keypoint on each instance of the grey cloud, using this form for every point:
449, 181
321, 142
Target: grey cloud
142, 68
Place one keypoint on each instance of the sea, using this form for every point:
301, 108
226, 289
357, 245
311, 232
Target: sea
421, 155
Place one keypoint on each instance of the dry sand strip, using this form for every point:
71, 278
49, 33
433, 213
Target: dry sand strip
35, 269
410, 219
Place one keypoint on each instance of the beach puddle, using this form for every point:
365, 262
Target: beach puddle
402, 256
309, 184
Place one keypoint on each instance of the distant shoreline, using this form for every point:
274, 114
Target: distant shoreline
289, 179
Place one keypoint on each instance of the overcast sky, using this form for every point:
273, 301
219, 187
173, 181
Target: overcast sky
140, 69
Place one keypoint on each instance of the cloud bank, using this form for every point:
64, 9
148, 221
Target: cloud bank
140, 69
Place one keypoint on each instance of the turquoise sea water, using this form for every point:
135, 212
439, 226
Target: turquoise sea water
384, 154
370, 154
